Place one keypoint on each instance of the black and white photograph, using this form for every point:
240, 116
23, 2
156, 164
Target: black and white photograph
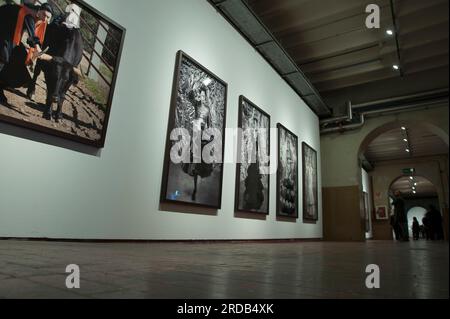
193, 168
252, 181
287, 181
310, 181
59, 62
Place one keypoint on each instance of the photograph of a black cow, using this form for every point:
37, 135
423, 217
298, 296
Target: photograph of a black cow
67, 89
65, 46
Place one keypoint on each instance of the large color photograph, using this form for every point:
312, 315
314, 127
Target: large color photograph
252, 182
310, 192
287, 182
59, 61
193, 169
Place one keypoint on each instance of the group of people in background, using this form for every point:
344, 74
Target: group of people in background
431, 228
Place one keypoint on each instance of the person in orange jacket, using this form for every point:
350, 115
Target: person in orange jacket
15, 21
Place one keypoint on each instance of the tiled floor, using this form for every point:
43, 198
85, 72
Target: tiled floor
229, 270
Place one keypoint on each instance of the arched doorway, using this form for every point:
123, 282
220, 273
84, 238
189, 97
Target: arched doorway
394, 151
418, 213
342, 160
419, 195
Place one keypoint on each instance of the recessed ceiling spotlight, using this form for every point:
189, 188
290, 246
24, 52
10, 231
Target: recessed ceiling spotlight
407, 150
396, 67
411, 178
414, 192
405, 140
415, 184
403, 128
389, 32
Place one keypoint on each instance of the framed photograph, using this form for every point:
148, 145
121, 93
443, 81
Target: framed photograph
59, 80
193, 168
252, 178
310, 184
287, 176
381, 213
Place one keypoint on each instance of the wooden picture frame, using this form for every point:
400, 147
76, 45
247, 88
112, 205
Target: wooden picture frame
381, 212
287, 174
84, 115
199, 99
310, 183
252, 185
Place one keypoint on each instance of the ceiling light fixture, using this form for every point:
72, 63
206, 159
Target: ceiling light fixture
405, 140
407, 150
396, 67
403, 128
389, 32
411, 178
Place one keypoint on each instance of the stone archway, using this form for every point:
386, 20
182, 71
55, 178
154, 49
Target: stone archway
433, 170
342, 173
419, 195
373, 134
419, 213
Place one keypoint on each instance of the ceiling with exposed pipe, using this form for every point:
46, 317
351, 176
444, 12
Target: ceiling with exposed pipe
342, 60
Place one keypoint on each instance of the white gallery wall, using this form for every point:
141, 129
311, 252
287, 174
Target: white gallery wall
53, 192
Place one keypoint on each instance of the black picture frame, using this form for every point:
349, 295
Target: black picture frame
168, 187
115, 33
287, 177
310, 183
261, 193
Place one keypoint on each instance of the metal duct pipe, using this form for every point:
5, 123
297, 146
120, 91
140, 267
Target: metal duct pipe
413, 106
348, 117
351, 108
240, 15
400, 98
344, 128
389, 110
